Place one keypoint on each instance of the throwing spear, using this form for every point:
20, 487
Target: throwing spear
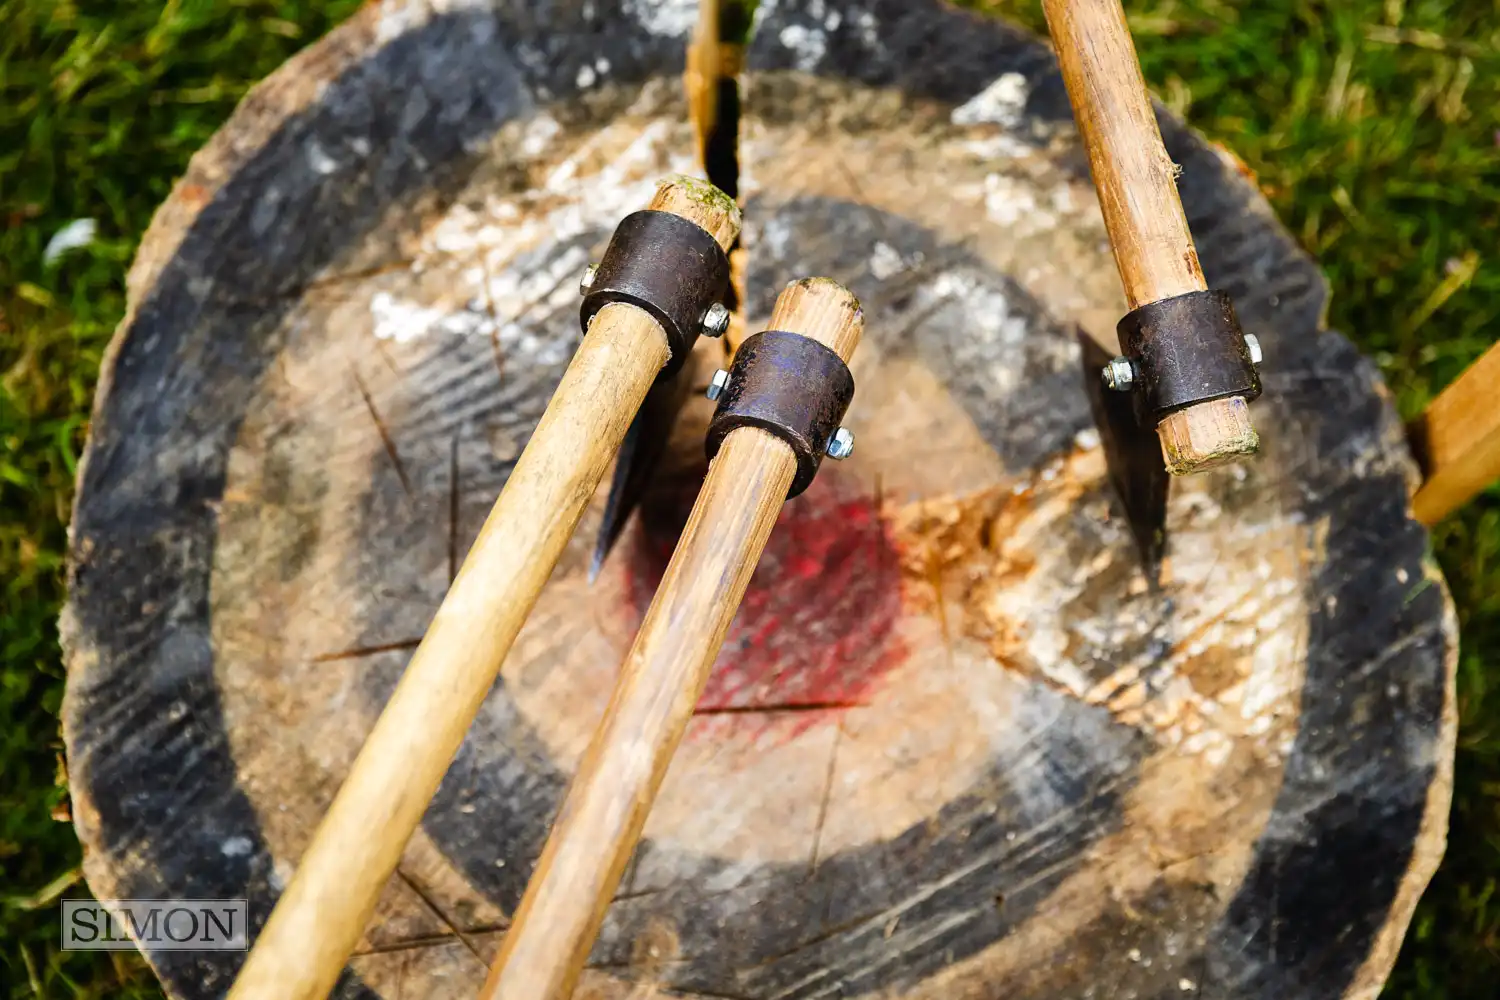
1185, 371
713, 64
664, 274
779, 410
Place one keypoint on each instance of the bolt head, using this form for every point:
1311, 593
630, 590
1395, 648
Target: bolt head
1118, 374
1253, 343
841, 445
719, 383
587, 281
716, 320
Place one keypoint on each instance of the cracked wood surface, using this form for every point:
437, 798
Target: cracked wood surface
954, 746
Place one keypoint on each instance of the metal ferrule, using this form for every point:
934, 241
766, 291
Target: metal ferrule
1186, 350
670, 267
791, 386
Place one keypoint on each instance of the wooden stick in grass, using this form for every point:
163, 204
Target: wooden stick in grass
319, 918
660, 680
1458, 439
1137, 185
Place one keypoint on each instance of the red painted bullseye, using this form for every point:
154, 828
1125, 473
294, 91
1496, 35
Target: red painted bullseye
815, 630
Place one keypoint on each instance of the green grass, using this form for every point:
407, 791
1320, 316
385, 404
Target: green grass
1373, 127
101, 104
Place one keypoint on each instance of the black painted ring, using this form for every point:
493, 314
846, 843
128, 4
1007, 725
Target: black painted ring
1187, 350
792, 386
144, 768
667, 265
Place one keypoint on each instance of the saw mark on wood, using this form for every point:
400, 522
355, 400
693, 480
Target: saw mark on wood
345, 277
385, 355
632, 963
437, 911
627, 882
625, 897
453, 508
401, 976
827, 934
425, 941
385, 435
804, 706
888, 956
749, 885
833, 759
359, 651
489, 307
699, 994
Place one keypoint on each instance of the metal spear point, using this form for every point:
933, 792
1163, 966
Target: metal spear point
645, 442
1131, 452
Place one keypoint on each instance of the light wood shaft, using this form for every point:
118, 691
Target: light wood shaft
701, 77
1460, 436
601, 820
319, 919
660, 681
1137, 185
1135, 178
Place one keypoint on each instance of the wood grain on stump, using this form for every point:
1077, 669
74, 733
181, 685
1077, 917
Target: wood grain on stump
955, 745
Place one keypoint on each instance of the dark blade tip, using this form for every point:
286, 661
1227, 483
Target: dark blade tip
1133, 457
645, 441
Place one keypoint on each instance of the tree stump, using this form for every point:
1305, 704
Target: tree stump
956, 746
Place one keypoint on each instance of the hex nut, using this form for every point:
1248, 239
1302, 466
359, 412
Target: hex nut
1119, 374
841, 445
716, 320
718, 384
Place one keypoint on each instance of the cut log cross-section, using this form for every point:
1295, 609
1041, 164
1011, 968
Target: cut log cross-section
955, 746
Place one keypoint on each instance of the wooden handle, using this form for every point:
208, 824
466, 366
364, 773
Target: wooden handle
1459, 440
1137, 185
660, 680
701, 75
710, 60
319, 918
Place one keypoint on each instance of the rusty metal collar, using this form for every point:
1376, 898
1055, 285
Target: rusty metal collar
1186, 350
791, 386
666, 265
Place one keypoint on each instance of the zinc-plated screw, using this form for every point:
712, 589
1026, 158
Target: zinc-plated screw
1118, 374
719, 383
587, 281
841, 445
716, 320
1253, 342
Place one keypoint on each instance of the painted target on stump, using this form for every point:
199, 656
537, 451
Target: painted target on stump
955, 746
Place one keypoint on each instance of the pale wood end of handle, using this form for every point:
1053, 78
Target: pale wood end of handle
1208, 435
700, 202
822, 310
